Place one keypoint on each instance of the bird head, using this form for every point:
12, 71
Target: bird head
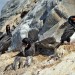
71, 20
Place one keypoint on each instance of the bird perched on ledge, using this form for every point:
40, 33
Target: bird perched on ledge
69, 34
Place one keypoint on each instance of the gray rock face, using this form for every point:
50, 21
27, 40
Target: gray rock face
31, 20
33, 35
47, 16
14, 8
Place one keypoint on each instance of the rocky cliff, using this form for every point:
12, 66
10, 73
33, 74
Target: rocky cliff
48, 18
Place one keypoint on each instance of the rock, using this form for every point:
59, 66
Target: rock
29, 60
46, 46
48, 40
1, 35
33, 35
9, 67
64, 50
48, 18
5, 43
56, 31
8, 55
66, 63
22, 31
28, 19
20, 62
23, 14
56, 12
11, 12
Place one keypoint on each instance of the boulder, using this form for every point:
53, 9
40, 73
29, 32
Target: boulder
64, 50
56, 14
46, 46
5, 43
33, 35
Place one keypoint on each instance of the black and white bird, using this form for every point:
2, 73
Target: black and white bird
69, 33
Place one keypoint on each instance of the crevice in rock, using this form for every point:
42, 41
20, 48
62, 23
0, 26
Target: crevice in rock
23, 14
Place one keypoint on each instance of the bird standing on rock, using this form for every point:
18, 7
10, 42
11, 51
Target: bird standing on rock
69, 34
8, 30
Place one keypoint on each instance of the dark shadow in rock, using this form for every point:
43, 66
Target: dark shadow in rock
47, 52
23, 14
33, 35
60, 13
64, 25
1, 19
8, 67
46, 46
5, 43
17, 64
1, 35
43, 17
44, 49
20, 54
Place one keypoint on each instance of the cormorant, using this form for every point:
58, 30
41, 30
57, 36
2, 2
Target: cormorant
69, 31
8, 30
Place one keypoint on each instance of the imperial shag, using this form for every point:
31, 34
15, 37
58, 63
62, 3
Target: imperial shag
69, 31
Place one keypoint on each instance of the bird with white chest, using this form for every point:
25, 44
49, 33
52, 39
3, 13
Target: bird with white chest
69, 32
